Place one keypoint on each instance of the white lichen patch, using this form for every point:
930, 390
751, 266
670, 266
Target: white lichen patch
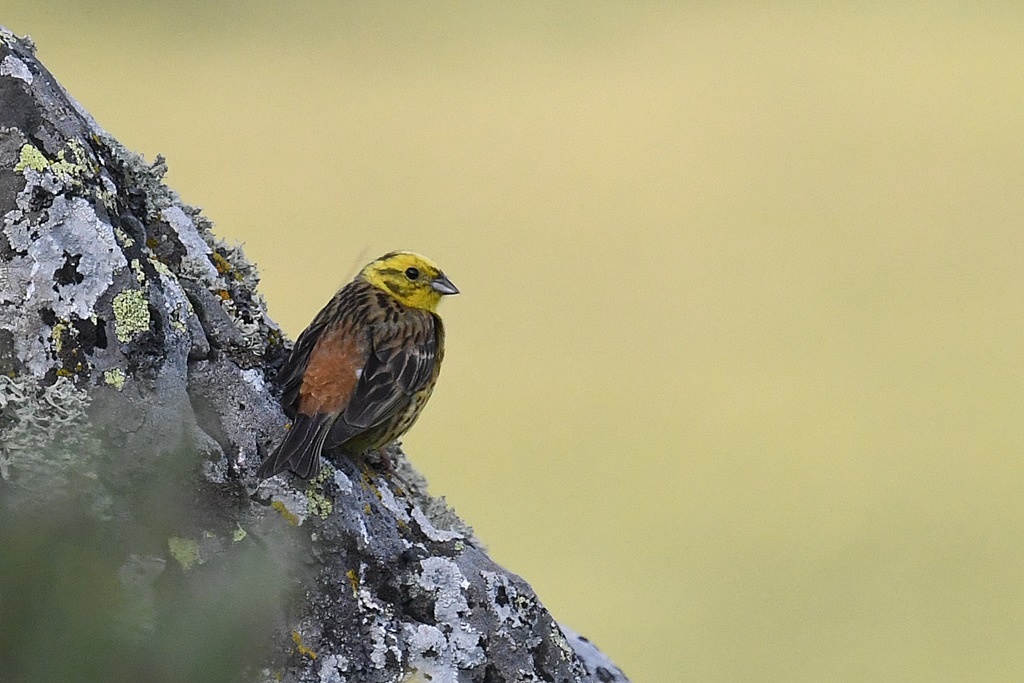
179, 308
72, 230
406, 511
197, 252
503, 596
12, 66
424, 638
45, 436
379, 616
73, 227
388, 500
594, 661
444, 518
333, 669
460, 648
430, 531
255, 379
345, 489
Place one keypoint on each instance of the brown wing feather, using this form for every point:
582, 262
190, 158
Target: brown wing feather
332, 371
289, 378
402, 363
329, 376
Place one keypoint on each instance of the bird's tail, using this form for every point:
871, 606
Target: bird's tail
300, 449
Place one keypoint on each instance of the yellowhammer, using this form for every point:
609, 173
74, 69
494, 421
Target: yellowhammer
362, 371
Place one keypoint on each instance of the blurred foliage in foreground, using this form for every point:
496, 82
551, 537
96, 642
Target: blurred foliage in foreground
144, 591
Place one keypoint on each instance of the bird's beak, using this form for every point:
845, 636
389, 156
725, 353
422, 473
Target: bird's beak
442, 284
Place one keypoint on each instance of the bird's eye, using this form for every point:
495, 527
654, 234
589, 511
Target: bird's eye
412, 273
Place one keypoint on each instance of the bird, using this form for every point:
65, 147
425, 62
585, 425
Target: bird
359, 375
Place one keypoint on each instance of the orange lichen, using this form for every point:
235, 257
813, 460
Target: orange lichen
285, 512
302, 649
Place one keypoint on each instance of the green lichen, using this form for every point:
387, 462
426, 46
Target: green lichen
70, 168
57, 334
317, 502
160, 267
131, 314
558, 638
184, 550
123, 237
75, 169
239, 534
67, 350
31, 157
137, 269
115, 377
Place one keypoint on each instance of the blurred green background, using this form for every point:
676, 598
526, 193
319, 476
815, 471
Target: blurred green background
736, 377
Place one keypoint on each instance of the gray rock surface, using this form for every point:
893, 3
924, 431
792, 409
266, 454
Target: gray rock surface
136, 400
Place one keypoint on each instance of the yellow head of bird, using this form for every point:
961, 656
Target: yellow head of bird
414, 280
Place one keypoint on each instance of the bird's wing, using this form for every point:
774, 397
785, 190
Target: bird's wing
401, 363
329, 360
289, 377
